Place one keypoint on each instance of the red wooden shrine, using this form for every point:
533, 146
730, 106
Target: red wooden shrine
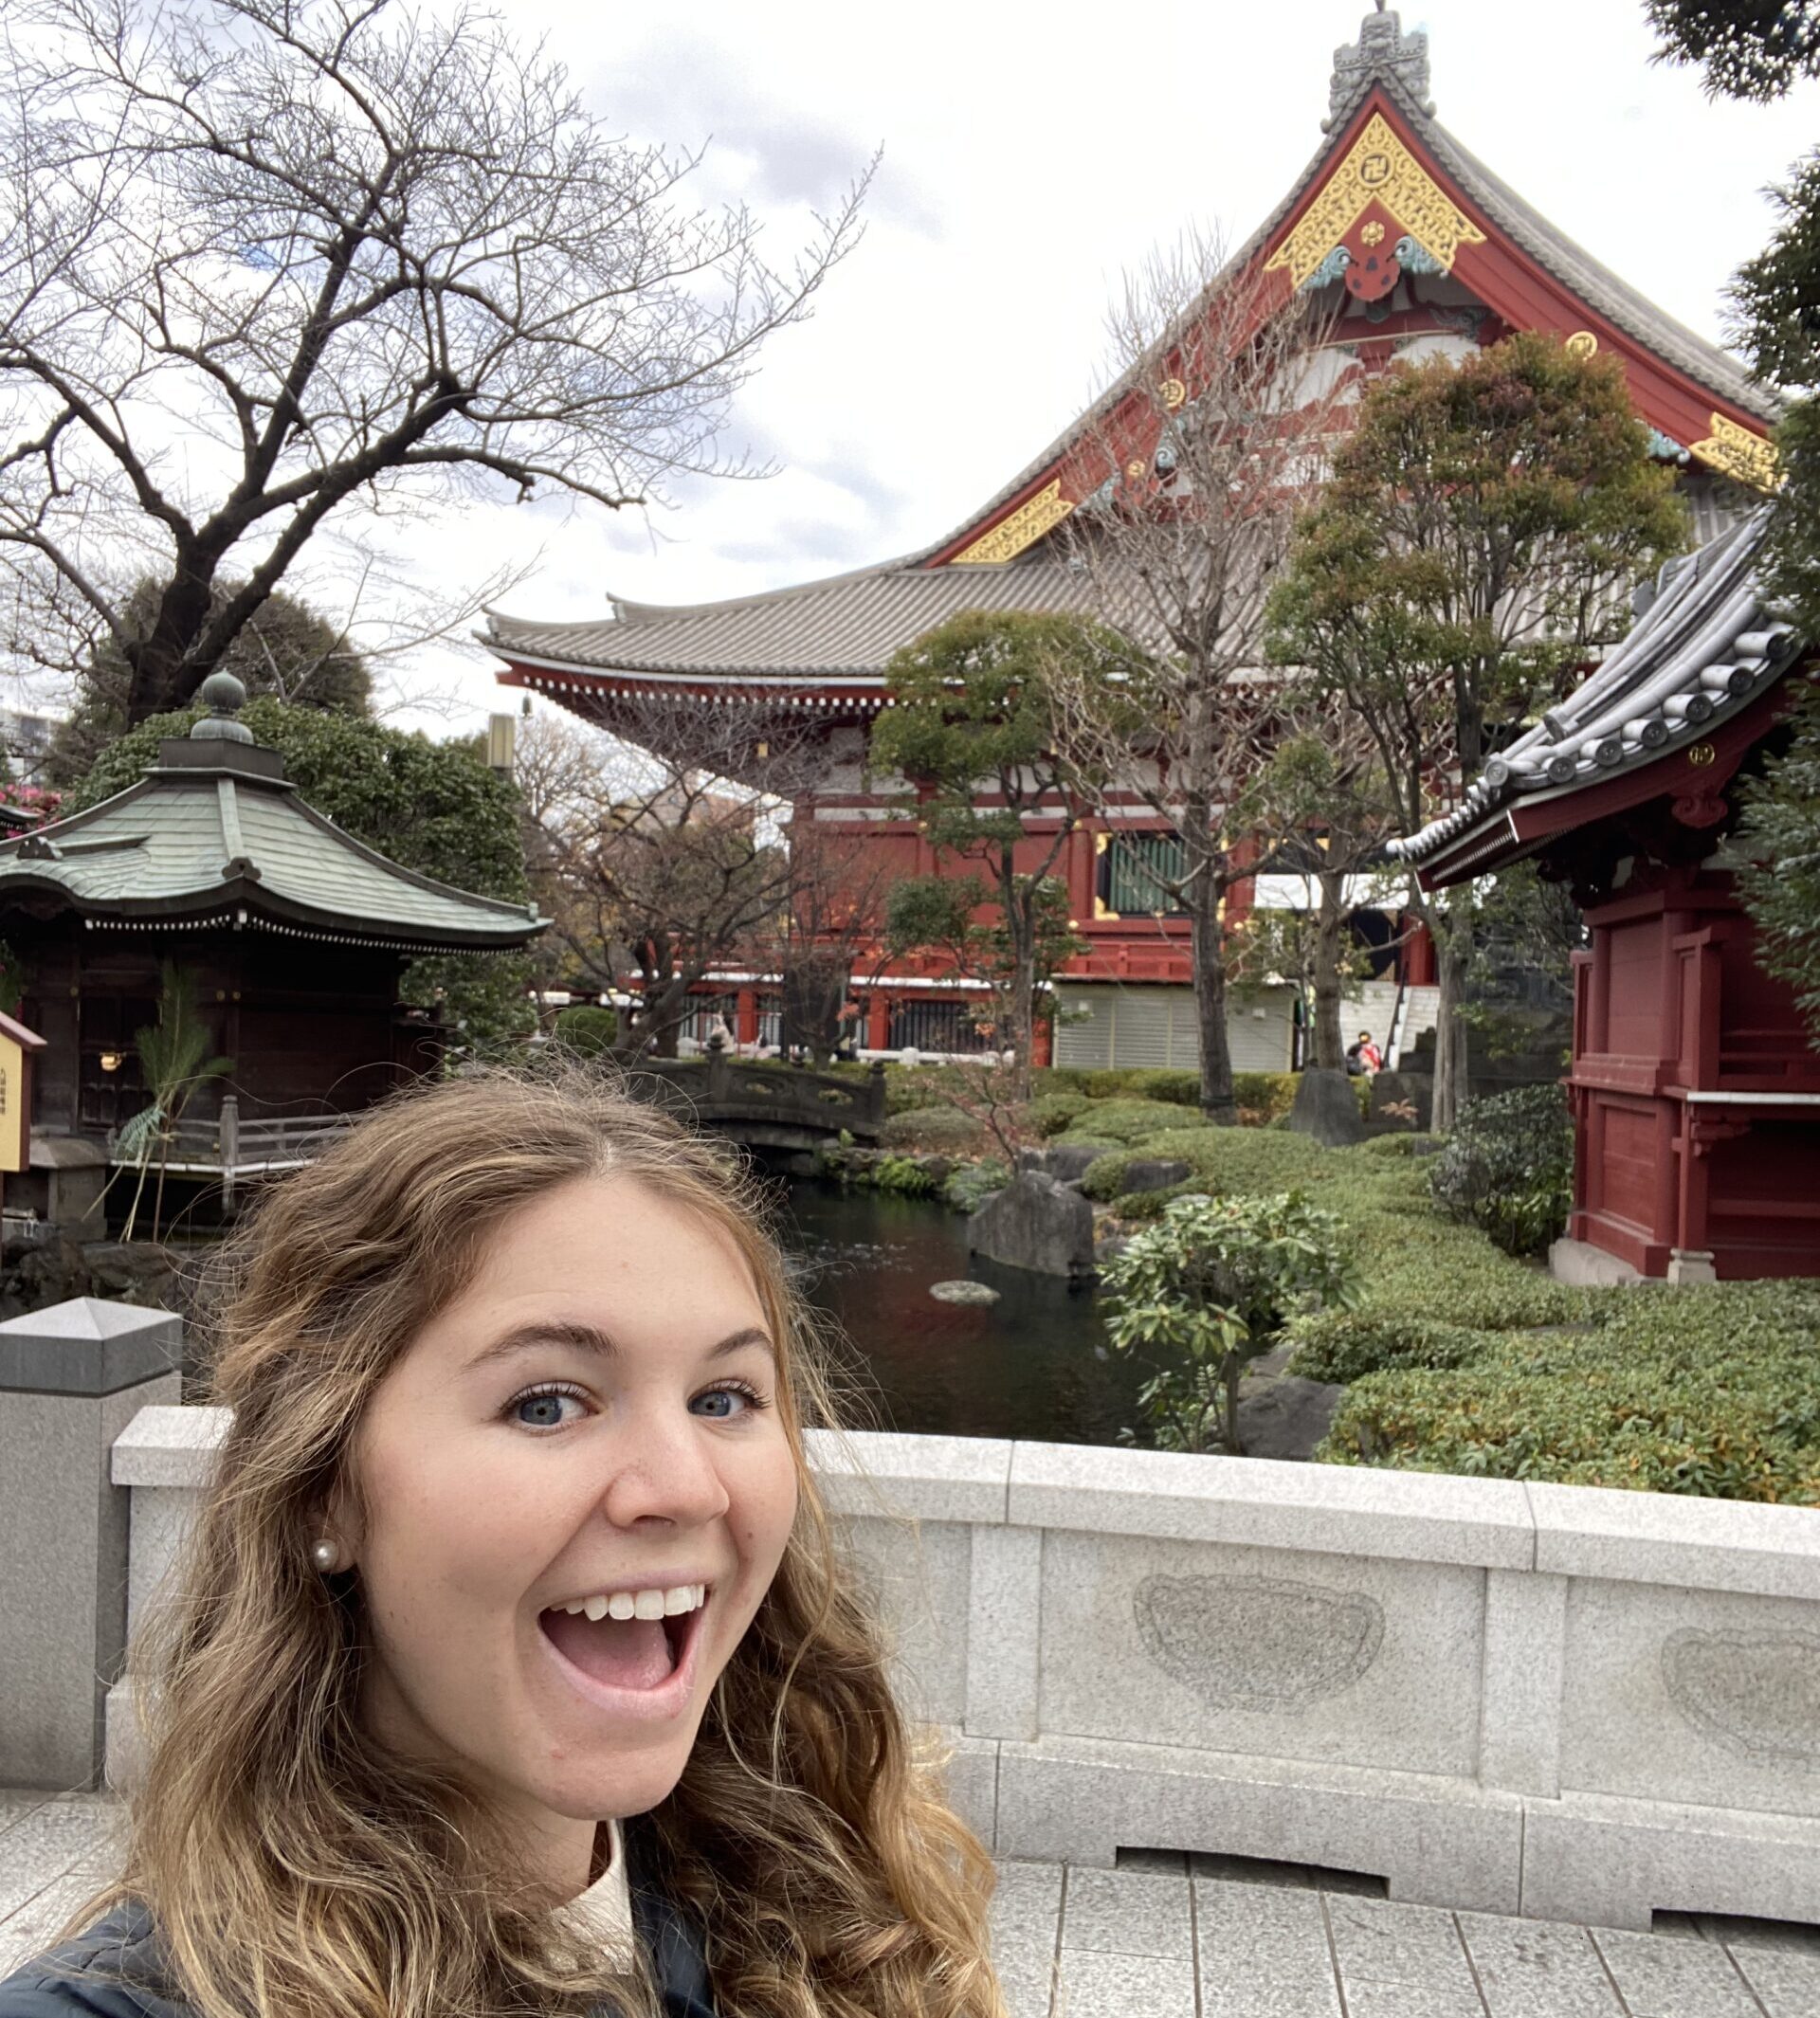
1695, 1085
1409, 248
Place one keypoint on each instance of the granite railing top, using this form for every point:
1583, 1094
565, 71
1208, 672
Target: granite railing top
1330, 1509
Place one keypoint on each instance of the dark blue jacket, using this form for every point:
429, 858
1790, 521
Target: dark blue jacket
124, 1944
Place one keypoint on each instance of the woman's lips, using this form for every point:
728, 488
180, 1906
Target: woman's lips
665, 1699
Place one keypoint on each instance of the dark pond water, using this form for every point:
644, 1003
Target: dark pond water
1035, 1364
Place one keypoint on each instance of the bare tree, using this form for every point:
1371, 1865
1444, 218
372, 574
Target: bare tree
671, 862
1214, 432
263, 260
834, 918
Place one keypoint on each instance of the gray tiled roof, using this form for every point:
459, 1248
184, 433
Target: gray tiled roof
209, 838
1703, 648
846, 626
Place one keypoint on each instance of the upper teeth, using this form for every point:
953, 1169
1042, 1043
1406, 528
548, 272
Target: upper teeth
641, 1604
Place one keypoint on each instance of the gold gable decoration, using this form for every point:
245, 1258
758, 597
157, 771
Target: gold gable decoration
1377, 168
1010, 537
1735, 452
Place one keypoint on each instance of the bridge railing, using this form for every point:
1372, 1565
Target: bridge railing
721, 1086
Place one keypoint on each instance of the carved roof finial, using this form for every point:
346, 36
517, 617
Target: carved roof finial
1382, 50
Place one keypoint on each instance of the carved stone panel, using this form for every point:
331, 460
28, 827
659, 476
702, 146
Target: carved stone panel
1258, 1643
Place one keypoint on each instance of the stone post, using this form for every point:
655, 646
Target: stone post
72, 1378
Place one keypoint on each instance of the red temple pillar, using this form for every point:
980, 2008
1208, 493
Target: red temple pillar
878, 1022
746, 1025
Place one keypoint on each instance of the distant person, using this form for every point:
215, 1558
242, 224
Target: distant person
457, 1709
1364, 1058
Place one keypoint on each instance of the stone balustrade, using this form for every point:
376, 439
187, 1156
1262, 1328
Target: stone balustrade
1569, 1703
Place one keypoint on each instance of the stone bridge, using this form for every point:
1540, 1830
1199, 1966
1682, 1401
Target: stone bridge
765, 1107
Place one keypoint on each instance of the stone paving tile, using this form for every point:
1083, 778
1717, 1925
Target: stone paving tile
1787, 1984
1789, 1934
1127, 1913
1536, 1969
1153, 1860
42, 1845
1124, 1985
1264, 1951
32, 1928
1661, 1978
1023, 1920
1399, 1961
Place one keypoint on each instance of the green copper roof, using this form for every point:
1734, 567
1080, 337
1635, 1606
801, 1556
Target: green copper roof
214, 834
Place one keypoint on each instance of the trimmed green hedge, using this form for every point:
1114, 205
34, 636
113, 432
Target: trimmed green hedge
1711, 1391
1344, 1345
1126, 1121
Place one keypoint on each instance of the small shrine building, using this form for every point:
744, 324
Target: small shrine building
1407, 247
292, 933
1695, 1085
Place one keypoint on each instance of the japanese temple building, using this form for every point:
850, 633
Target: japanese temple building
292, 933
1409, 248
1696, 1089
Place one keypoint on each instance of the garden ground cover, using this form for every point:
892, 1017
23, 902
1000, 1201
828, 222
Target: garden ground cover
1457, 1357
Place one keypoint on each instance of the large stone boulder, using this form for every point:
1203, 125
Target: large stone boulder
1401, 1101
1153, 1174
1067, 1162
1035, 1223
1328, 1108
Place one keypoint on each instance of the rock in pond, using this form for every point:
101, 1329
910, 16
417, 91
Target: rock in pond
1037, 1224
963, 1291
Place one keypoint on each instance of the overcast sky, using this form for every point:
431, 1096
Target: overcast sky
1032, 152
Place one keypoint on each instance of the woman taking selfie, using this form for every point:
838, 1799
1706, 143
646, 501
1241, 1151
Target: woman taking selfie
509, 1668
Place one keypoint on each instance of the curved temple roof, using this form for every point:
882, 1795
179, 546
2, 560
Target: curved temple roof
841, 630
1700, 652
214, 835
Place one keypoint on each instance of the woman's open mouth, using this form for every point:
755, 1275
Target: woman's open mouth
621, 1645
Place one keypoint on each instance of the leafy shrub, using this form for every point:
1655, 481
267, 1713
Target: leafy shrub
1207, 1287
908, 1091
969, 1188
903, 1175
585, 1029
931, 1128
1050, 1113
1713, 1390
1123, 1120
1125, 1082
1345, 1345
1508, 1168
1266, 1094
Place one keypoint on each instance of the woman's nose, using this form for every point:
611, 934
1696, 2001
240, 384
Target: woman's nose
665, 1469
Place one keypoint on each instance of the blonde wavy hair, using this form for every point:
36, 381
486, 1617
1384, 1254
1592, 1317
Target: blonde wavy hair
294, 1866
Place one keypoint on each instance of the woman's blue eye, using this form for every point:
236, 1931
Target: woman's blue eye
720, 1402
549, 1402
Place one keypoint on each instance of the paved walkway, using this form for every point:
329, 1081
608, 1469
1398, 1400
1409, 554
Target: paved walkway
1167, 1936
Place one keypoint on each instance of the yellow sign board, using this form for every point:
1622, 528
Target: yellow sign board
17, 1043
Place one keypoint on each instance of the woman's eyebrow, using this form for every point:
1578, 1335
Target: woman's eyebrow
736, 1341
553, 1331
591, 1338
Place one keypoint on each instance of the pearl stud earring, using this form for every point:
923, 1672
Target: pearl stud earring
325, 1555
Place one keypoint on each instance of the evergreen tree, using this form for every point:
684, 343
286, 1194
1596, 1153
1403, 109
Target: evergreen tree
1477, 540
1757, 49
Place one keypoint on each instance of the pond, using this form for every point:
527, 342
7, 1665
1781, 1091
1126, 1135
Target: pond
1035, 1364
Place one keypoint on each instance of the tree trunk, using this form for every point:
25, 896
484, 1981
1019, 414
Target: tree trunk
1330, 1046
1019, 908
1452, 947
1208, 954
